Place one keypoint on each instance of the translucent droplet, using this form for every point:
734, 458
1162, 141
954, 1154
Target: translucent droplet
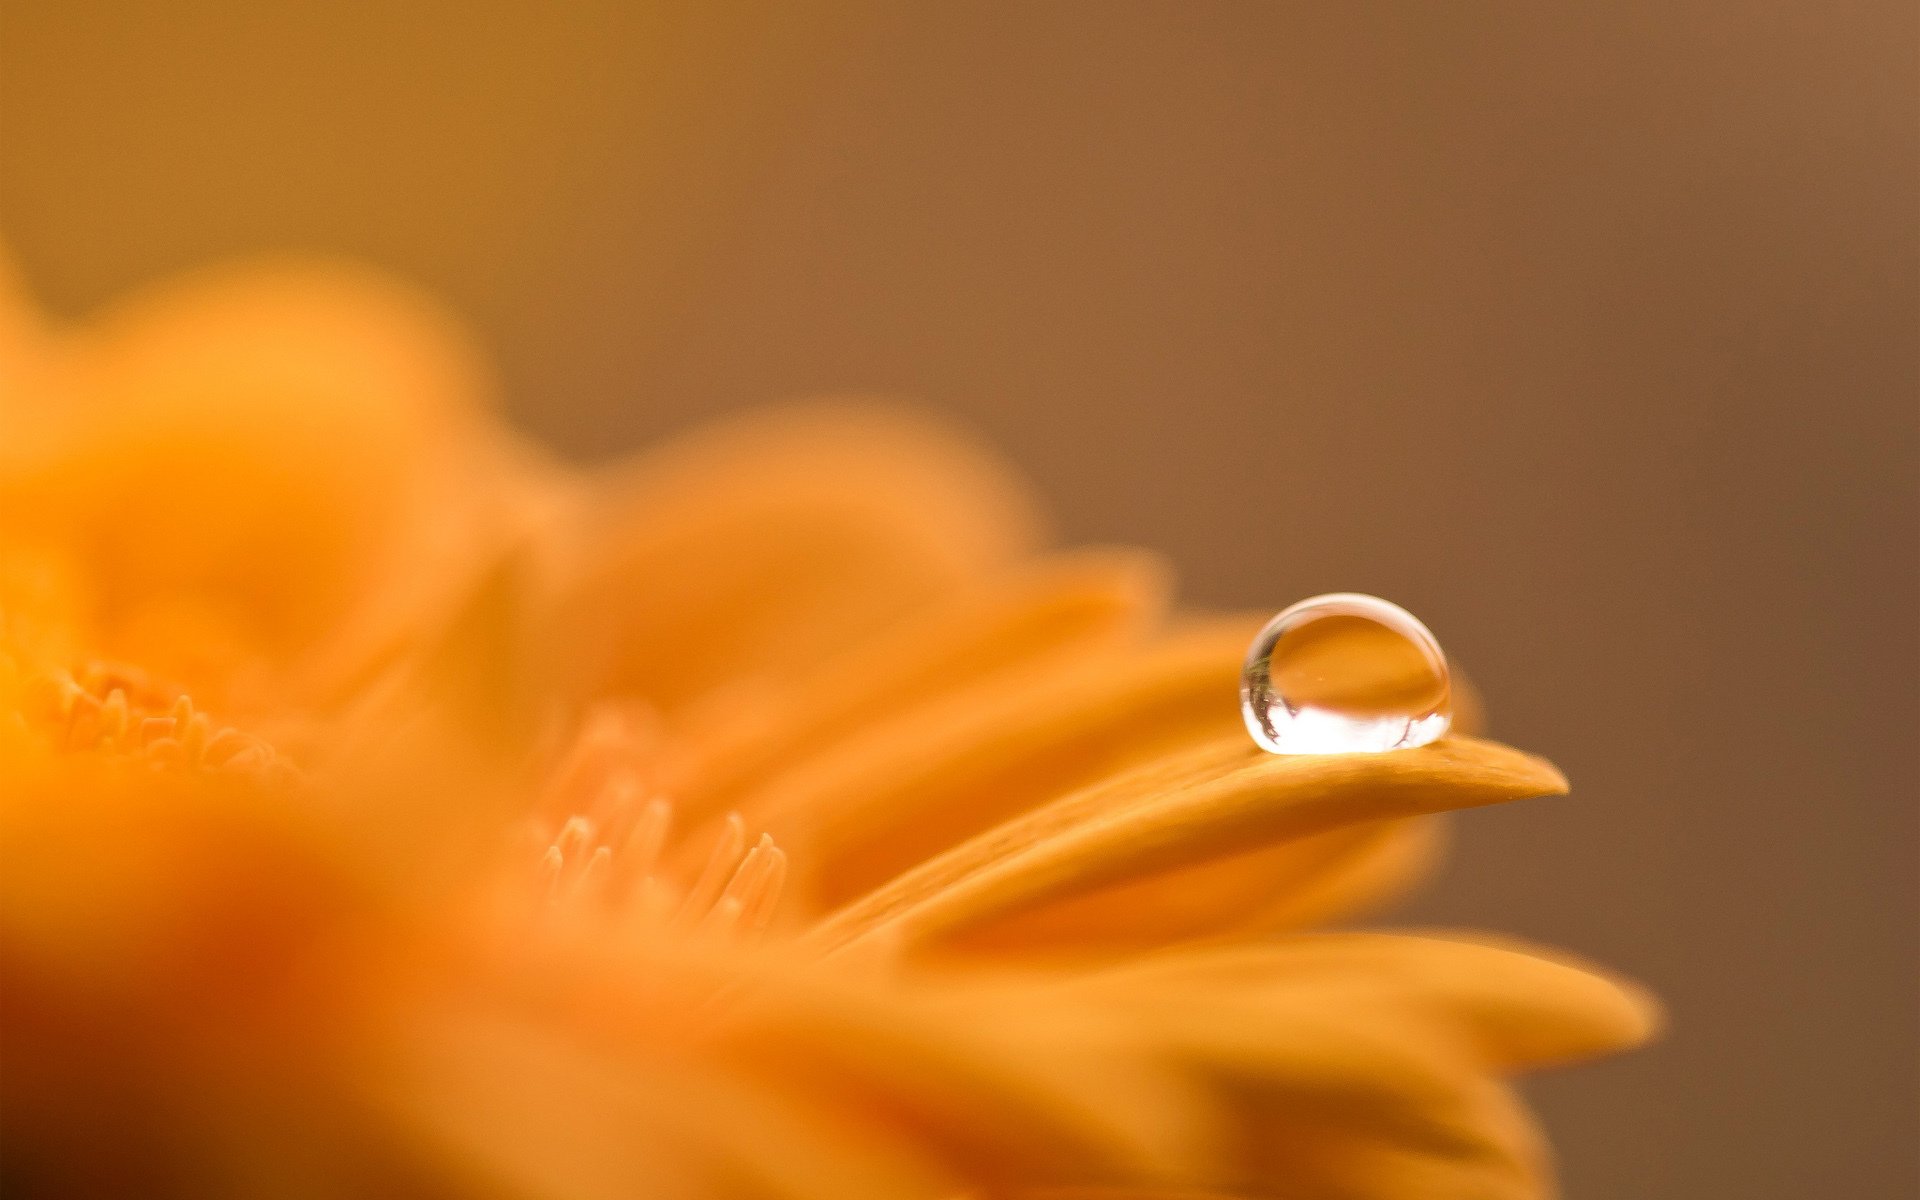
1345, 673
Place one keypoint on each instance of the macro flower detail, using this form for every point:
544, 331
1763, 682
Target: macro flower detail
389, 810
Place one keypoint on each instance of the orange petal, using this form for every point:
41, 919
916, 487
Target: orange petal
1297, 883
1008, 1083
1336, 1090
1476, 1142
1060, 611
249, 457
1514, 1006
1377, 865
757, 549
1213, 802
500, 1106
912, 787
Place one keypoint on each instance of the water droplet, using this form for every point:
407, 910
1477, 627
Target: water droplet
1345, 673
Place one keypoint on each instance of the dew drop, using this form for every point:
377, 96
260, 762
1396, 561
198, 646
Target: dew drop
1345, 673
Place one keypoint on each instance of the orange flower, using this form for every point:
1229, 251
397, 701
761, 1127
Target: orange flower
389, 812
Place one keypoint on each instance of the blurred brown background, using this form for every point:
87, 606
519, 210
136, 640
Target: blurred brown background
1588, 333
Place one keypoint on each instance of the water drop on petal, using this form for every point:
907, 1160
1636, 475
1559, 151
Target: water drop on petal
1345, 673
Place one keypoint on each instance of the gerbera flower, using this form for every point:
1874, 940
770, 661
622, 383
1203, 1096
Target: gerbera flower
387, 811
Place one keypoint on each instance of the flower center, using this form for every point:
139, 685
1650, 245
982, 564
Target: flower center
115, 708
601, 841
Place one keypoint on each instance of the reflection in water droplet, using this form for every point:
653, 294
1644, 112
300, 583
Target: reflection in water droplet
1345, 673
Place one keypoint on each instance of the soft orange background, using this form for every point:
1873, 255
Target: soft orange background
1587, 332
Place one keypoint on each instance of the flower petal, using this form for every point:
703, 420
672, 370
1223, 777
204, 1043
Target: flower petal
915, 786
1216, 801
1378, 864
1514, 1006
498, 1107
758, 549
1061, 611
1298, 883
250, 459
1338, 1090
1007, 1081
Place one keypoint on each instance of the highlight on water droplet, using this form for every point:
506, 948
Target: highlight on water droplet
1345, 673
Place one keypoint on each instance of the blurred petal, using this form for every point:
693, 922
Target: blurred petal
916, 785
250, 460
759, 549
1513, 1006
509, 1109
1061, 611
1373, 866
1008, 1085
